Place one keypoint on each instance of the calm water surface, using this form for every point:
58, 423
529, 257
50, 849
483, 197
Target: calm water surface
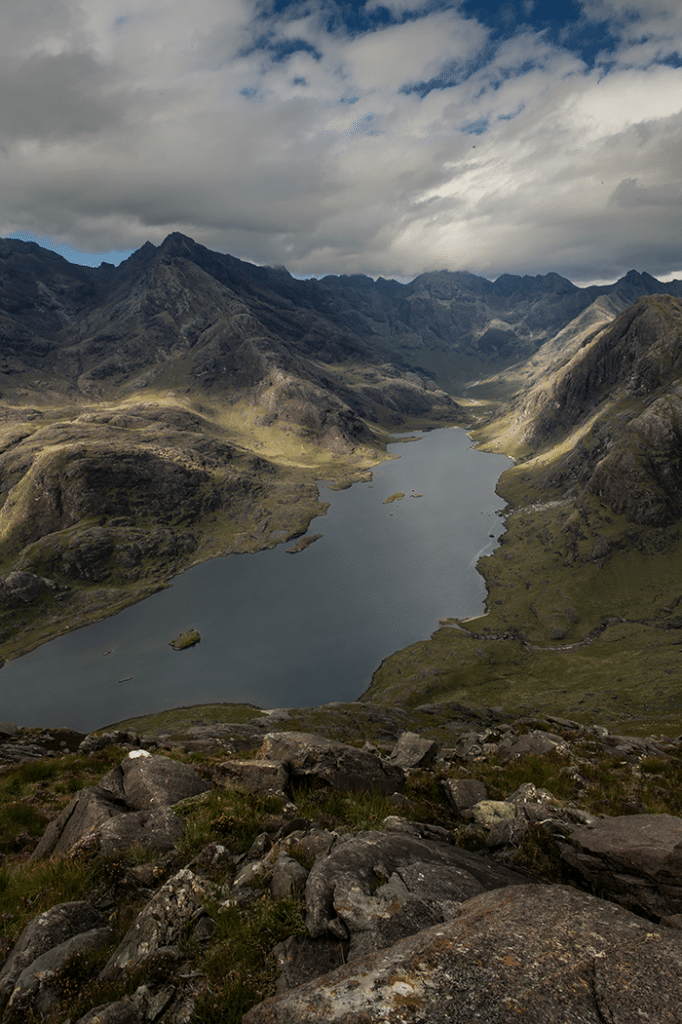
287, 630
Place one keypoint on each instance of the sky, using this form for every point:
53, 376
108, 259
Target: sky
384, 137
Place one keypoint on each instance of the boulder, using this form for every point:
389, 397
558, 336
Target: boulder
382, 886
413, 751
534, 742
102, 815
252, 776
23, 587
35, 987
288, 876
155, 781
539, 954
155, 830
300, 959
634, 859
160, 923
43, 933
308, 757
86, 812
487, 812
123, 1011
462, 794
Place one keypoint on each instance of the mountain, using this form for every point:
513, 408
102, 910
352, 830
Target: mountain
164, 411
584, 601
184, 404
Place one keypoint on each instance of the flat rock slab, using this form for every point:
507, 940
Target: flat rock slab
636, 859
537, 954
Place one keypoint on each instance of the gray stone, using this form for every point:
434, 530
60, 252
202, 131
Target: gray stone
507, 832
535, 742
540, 954
462, 794
311, 757
288, 876
156, 781
34, 983
154, 830
161, 923
23, 587
635, 859
252, 776
82, 817
43, 933
300, 959
412, 751
8, 729
121, 1012
342, 896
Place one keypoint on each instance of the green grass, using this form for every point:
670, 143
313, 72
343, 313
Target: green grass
226, 816
178, 720
239, 966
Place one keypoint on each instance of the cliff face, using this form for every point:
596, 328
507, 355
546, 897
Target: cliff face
621, 391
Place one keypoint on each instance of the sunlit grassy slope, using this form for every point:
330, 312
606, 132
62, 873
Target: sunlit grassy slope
583, 616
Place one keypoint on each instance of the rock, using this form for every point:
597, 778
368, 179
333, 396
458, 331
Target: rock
300, 959
420, 882
154, 830
487, 812
311, 757
539, 954
150, 782
86, 812
252, 776
288, 876
635, 860
8, 729
123, 1011
462, 794
412, 751
113, 738
535, 742
43, 933
161, 923
34, 985
23, 587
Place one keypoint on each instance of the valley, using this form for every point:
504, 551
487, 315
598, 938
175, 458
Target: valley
184, 404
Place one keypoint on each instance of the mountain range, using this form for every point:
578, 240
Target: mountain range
183, 405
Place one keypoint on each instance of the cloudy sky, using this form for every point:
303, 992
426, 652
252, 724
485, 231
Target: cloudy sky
376, 136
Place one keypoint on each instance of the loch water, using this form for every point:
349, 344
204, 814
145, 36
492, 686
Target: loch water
282, 630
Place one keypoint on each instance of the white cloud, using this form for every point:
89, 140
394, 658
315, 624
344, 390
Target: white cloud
122, 122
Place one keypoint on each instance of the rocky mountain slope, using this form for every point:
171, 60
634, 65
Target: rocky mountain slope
584, 595
166, 411
458, 864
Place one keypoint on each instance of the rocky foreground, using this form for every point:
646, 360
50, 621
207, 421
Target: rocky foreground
478, 869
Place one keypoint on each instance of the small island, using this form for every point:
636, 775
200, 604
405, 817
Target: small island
394, 497
303, 543
188, 639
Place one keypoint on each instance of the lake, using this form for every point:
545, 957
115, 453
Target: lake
282, 630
